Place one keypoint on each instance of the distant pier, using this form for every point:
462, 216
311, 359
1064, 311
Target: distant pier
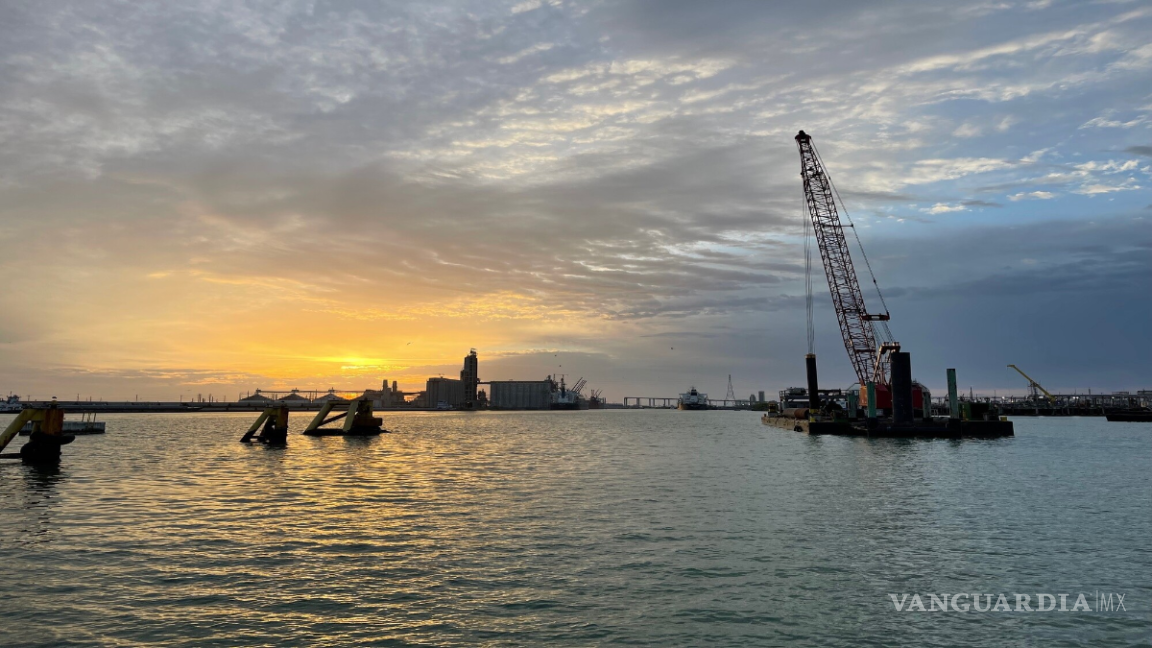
136, 407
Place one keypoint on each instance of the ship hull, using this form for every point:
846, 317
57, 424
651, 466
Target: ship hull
567, 406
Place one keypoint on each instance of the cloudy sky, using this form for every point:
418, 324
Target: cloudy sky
214, 196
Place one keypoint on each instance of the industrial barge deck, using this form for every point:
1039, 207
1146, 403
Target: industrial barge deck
923, 429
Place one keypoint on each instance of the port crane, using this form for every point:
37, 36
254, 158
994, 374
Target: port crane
859, 328
1034, 386
564, 389
578, 386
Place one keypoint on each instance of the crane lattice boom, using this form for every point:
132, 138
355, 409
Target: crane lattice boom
1033, 385
870, 363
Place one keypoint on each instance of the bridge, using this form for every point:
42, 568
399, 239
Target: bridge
660, 402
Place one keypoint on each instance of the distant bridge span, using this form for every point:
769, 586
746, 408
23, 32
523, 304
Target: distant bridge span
660, 402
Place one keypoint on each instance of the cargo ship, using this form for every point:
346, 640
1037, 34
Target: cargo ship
692, 400
11, 404
596, 401
564, 398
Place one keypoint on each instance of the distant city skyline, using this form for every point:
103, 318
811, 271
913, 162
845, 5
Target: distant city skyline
206, 198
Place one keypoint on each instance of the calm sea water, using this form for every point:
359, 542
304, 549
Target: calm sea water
655, 528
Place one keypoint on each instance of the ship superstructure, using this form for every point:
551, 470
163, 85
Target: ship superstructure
568, 398
692, 400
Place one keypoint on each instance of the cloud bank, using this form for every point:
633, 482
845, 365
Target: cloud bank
302, 193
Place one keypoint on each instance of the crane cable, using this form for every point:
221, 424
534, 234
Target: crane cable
886, 333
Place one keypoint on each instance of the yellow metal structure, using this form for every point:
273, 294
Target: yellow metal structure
1033, 384
273, 422
357, 420
47, 420
46, 437
321, 417
360, 416
14, 427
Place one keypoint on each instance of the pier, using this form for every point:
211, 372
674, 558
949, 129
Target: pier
86, 425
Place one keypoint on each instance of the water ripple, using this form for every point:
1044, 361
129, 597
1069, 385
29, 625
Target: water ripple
569, 529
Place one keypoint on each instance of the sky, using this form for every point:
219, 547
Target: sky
217, 196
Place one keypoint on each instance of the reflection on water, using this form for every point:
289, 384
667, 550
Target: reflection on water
571, 528
42, 478
30, 495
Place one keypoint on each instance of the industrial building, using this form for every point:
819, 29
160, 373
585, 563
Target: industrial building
447, 391
387, 396
470, 378
330, 396
520, 394
455, 393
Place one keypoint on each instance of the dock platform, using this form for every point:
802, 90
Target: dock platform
72, 427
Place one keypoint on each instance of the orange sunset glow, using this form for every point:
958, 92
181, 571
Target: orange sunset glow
321, 200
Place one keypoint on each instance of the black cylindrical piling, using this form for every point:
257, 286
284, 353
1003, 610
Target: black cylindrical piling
902, 411
813, 383
44, 448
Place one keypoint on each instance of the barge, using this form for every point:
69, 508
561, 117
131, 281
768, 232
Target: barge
878, 428
1130, 416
